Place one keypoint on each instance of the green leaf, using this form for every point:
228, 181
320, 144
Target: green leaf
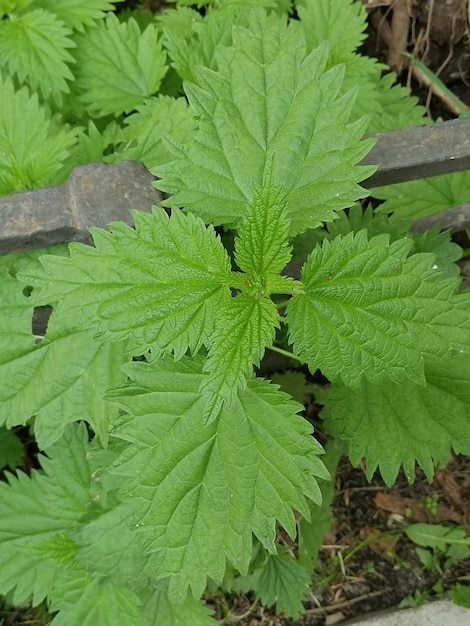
243, 329
118, 67
34, 510
460, 595
340, 23
85, 601
395, 108
61, 380
283, 582
207, 489
287, 119
294, 383
312, 531
159, 285
159, 610
92, 146
34, 47
144, 130
11, 449
262, 247
110, 547
399, 424
113, 548
178, 20
437, 536
368, 310
16, 312
416, 199
194, 43
439, 242
77, 13
32, 145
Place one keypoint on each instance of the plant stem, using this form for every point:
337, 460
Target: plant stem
285, 353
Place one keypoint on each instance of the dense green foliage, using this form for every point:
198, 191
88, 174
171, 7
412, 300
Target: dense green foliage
167, 465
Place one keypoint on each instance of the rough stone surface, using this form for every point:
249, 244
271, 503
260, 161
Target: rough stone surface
439, 613
95, 195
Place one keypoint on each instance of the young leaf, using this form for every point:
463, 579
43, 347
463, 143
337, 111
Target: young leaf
294, 383
77, 13
118, 67
159, 285
395, 107
33, 510
34, 46
142, 137
178, 19
32, 146
262, 246
188, 51
460, 595
92, 146
400, 424
286, 118
11, 449
244, 327
340, 23
369, 310
283, 582
207, 489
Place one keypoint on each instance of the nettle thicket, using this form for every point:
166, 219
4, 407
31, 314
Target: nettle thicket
166, 464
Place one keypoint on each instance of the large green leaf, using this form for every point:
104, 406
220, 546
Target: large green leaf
118, 66
38, 517
110, 547
86, 601
207, 489
34, 46
419, 198
159, 610
370, 310
16, 312
77, 13
60, 380
32, 146
268, 108
400, 424
159, 285
34, 510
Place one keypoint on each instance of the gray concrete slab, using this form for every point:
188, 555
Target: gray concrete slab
439, 613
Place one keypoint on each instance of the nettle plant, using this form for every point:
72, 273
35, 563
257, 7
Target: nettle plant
168, 465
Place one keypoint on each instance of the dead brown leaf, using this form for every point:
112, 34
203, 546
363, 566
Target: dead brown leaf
415, 510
